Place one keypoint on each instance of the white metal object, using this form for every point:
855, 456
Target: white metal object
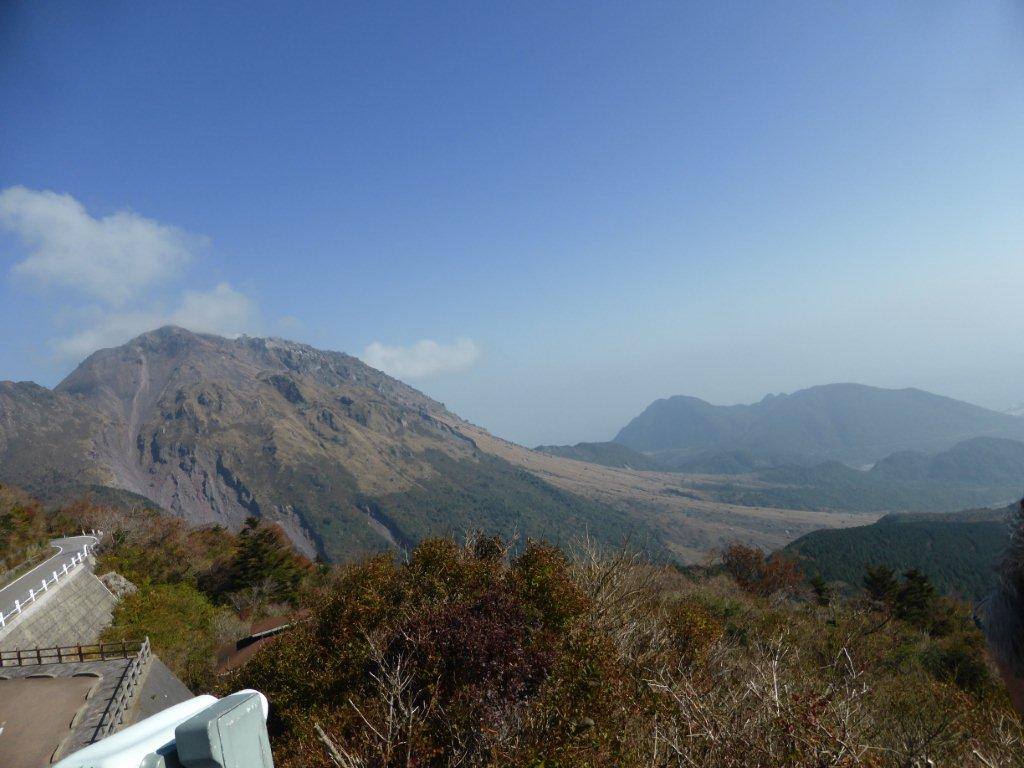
127, 748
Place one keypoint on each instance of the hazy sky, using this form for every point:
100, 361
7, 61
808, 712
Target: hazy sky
545, 215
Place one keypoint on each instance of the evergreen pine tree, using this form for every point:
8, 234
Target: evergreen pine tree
915, 597
265, 557
880, 583
822, 591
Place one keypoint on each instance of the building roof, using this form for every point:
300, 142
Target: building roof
35, 713
262, 632
67, 702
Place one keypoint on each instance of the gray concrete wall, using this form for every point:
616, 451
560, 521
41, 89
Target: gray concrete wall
73, 613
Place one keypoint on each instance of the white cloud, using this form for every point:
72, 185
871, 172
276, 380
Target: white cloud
289, 324
221, 310
423, 359
109, 258
105, 330
124, 266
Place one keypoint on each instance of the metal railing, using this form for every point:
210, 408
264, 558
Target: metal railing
70, 654
122, 700
44, 585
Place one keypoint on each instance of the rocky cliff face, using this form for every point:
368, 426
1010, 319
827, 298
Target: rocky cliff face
217, 429
49, 440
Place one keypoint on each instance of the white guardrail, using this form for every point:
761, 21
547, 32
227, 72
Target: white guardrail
34, 593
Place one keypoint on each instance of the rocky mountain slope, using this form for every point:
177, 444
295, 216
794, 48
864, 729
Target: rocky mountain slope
347, 459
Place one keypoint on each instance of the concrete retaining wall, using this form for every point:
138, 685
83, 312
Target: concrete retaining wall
74, 613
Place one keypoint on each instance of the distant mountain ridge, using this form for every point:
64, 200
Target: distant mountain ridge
347, 459
979, 461
981, 471
852, 423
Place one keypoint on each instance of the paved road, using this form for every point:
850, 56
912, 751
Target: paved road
18, 589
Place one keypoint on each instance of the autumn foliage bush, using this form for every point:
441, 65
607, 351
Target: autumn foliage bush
22, 528
759, 573
467, 655
480, 654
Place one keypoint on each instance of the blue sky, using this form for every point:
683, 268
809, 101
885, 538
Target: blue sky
545, 215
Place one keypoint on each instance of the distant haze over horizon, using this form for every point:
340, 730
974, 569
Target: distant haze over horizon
545, 216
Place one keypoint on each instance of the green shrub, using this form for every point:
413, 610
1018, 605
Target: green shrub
178, 619
959, 659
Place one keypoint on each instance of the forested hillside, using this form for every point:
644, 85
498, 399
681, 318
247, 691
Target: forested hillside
499, 497
956, 551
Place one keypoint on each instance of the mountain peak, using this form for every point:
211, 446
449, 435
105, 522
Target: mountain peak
216, 429
345, 458
167, 334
